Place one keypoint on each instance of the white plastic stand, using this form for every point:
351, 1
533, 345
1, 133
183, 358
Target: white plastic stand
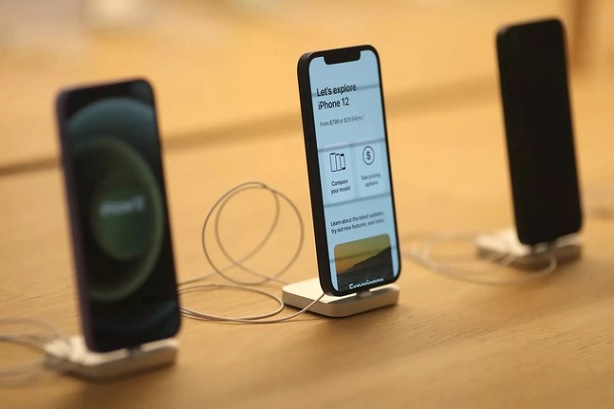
505, 243
74, 358
303, 293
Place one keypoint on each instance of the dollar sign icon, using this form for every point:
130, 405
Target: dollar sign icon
368, 155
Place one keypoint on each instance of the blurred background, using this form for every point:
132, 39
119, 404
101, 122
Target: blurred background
227, 69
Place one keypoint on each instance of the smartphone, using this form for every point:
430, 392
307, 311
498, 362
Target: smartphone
350, 183
538, 127
118, 214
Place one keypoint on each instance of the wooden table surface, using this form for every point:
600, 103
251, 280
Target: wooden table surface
446, 344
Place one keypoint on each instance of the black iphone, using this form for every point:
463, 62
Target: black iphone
118, 214
346, 146
538, 126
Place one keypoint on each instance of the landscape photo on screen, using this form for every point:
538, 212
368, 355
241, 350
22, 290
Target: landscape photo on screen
364, 262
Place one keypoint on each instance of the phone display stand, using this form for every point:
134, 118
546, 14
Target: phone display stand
505, 243
74, 358
303, 293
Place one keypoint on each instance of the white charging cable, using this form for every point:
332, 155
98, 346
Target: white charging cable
191, 286
422, 253
31, 334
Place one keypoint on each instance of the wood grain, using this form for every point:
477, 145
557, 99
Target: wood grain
446, 344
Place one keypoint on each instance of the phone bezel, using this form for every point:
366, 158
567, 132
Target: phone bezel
63, 114
527, 232
333, 56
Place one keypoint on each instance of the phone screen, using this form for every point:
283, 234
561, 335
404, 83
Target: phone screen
116, 193
357, 222
539, 130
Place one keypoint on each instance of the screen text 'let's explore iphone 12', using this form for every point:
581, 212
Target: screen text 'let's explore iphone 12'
349, 170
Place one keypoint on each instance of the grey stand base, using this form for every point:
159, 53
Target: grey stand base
301, 294
72, 357
505, 243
